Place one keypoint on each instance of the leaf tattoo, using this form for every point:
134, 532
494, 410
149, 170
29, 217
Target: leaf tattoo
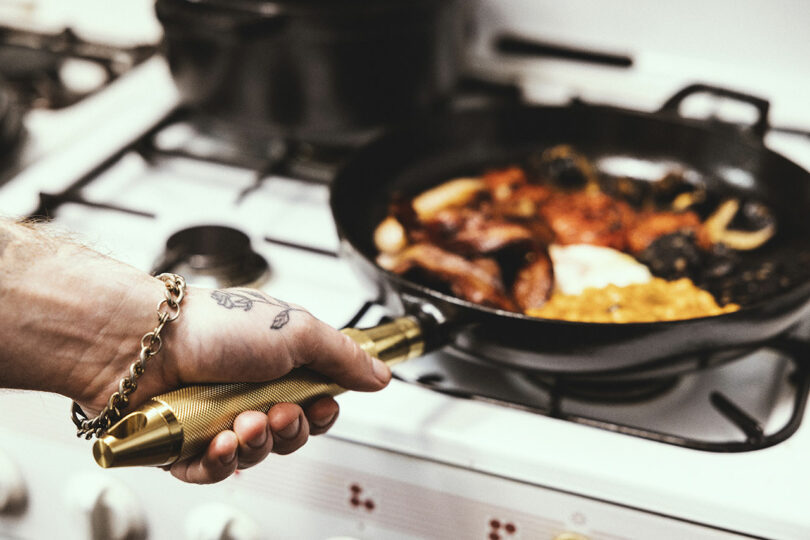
246, 299
232, 300
282, 318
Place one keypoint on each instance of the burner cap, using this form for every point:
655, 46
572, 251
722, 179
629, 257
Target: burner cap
213, 256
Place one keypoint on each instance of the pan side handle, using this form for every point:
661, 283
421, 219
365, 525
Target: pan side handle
758, 128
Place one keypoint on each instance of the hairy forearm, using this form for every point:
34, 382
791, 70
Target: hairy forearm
69, 318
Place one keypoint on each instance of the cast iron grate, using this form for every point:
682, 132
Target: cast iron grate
794, 349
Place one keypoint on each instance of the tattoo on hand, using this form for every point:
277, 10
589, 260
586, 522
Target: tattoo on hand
245, 299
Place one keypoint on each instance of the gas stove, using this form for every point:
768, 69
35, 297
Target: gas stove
453, 448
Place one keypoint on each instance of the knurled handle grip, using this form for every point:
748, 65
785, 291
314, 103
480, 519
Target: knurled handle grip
205, 410
181, 423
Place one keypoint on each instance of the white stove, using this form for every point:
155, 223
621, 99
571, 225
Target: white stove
451, 449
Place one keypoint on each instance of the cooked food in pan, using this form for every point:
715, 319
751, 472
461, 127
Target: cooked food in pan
557, 238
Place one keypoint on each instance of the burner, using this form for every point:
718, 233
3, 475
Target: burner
605, 391
56, 70
213, 256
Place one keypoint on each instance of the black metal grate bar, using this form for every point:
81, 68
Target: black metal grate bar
752, 429
360, 314
48, 204
302, 247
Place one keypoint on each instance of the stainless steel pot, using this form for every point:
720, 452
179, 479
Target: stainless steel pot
319, 71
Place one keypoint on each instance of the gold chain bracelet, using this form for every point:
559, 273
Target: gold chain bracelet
167, 311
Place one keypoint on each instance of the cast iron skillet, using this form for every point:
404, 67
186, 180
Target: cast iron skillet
431, 151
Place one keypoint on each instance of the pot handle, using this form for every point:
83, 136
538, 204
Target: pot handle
758, 128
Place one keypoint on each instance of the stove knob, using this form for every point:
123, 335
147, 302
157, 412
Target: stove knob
13, 492
220, 522
109, 509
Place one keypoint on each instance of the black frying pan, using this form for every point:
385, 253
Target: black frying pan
728, 159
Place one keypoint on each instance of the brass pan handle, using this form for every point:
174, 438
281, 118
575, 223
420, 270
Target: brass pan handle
181, 423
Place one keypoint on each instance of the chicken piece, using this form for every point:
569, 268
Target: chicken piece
502, 182
474, 231
450, 221
522, 204
650, 226
534, 193
476, 281
534, 282
583, 217
481, 235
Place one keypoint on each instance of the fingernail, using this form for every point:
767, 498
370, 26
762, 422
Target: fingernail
228, 458
291, 430
381, 371
259, 441
323, 422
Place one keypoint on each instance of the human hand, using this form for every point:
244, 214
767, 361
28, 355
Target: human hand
244, 335
72, 323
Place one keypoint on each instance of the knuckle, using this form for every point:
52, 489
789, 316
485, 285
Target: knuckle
351, 353
303, 331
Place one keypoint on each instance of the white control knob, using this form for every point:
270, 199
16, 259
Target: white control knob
106, 508
216, 521
13, 492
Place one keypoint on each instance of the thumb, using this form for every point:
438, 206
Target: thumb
320, 347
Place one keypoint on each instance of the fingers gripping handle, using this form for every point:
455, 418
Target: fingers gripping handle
181, 423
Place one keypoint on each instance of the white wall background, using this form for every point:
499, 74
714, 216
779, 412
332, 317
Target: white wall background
759, 47
771, 35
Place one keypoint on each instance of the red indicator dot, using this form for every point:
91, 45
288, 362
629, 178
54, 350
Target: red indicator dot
370, 505
355, 501
494, 536
510, 528
495, 524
